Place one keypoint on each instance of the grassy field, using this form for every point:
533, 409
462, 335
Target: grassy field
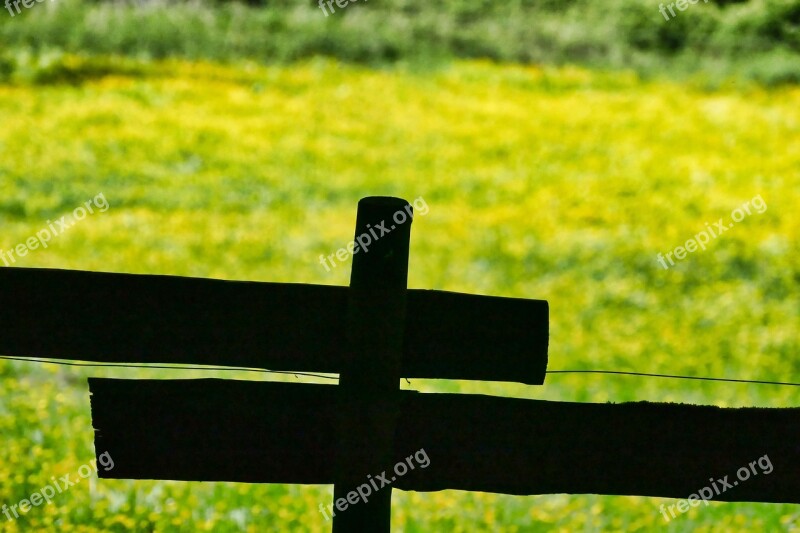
542, 182
722, 39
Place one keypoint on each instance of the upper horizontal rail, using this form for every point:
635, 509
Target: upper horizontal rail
133, 318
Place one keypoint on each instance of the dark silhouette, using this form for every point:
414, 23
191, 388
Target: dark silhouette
372, 334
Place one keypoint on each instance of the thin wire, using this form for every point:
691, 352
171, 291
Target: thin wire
129, 365
671, 376
307, 374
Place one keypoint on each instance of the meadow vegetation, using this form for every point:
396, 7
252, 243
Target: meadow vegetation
559, 145
755, 40
558, 183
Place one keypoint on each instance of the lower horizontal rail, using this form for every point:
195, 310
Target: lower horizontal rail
258, 432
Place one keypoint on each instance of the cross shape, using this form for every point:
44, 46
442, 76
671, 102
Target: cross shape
372, 334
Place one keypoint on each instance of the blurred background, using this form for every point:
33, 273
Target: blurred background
560, 146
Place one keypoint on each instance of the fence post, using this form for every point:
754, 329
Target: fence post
370, 379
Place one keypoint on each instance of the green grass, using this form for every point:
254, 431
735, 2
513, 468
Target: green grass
554, 183
754, 40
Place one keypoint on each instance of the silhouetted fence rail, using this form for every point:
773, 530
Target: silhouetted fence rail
372, 334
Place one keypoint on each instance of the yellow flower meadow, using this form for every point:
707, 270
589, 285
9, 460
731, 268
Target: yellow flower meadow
555, 183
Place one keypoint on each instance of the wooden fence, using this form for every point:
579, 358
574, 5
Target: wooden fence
372, 334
